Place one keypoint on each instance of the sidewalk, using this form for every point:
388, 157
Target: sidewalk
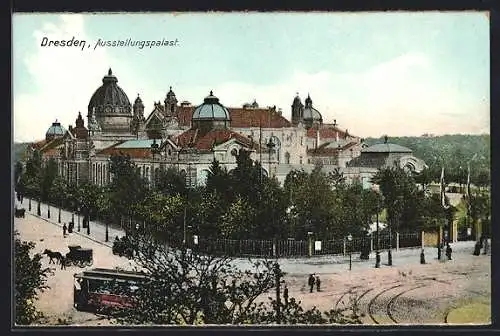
97, 229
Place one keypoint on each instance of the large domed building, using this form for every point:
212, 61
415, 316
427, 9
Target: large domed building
110, 107
190, 137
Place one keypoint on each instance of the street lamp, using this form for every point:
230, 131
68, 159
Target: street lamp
59, 216
349, 238
78, 213
88, 222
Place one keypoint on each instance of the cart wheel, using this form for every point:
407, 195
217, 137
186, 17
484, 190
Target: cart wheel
81, 263
88, 263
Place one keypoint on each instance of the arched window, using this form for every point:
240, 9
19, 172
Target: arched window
287, 158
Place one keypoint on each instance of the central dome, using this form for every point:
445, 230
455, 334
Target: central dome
211, 109
211, 114
110, 106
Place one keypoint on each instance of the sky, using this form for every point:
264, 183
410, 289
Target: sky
394, 73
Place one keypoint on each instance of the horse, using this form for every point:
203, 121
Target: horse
53, 255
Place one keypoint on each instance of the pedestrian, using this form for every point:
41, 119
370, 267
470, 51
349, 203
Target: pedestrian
311, 283
486, 246
448, 251
318, 284
285, 295
70, 227
65, 228
63, 262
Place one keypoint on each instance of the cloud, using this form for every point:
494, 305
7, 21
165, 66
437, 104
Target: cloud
398, 97
64, 79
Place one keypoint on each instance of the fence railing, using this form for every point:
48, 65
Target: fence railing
304, 248
295, 248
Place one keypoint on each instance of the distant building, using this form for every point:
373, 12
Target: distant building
189, 137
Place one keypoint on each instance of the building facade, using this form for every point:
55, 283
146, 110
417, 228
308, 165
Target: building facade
190, 137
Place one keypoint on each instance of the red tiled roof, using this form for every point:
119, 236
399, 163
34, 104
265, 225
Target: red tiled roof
326, 132
323, 150
267, 118
191, 138
241, 117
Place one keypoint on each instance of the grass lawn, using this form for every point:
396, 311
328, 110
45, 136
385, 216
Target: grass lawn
477, 312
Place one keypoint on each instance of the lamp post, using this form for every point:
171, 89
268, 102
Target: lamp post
349, 238
29, 204
88, 222
59, 216
78, 214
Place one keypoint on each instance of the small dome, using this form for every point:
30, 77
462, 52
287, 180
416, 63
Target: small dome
310, 113
56, 130
296, 100
170, 93
109, 98
138, 101
211, 109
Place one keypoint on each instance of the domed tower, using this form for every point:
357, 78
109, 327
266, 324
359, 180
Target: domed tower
170, 103
310, 115
55, 131
138, 118
110, 107
297, 109
80, 131
211, 114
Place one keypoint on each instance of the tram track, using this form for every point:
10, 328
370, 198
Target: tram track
371, 303
394, 298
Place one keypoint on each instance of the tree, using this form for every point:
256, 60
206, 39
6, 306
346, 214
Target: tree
401, 198
127, 186
184, 287
237, 221
30, 279
88, 196
163, 216
170, 182
48, 175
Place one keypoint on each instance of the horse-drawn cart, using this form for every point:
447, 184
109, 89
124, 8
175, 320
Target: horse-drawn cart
79, 256
19, 212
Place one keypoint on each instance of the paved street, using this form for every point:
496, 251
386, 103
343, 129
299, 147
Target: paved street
406, 293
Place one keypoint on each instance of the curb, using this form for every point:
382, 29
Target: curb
78, 233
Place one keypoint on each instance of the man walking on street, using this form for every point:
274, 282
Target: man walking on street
448, 251
311, 283
318, 283
65, 228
